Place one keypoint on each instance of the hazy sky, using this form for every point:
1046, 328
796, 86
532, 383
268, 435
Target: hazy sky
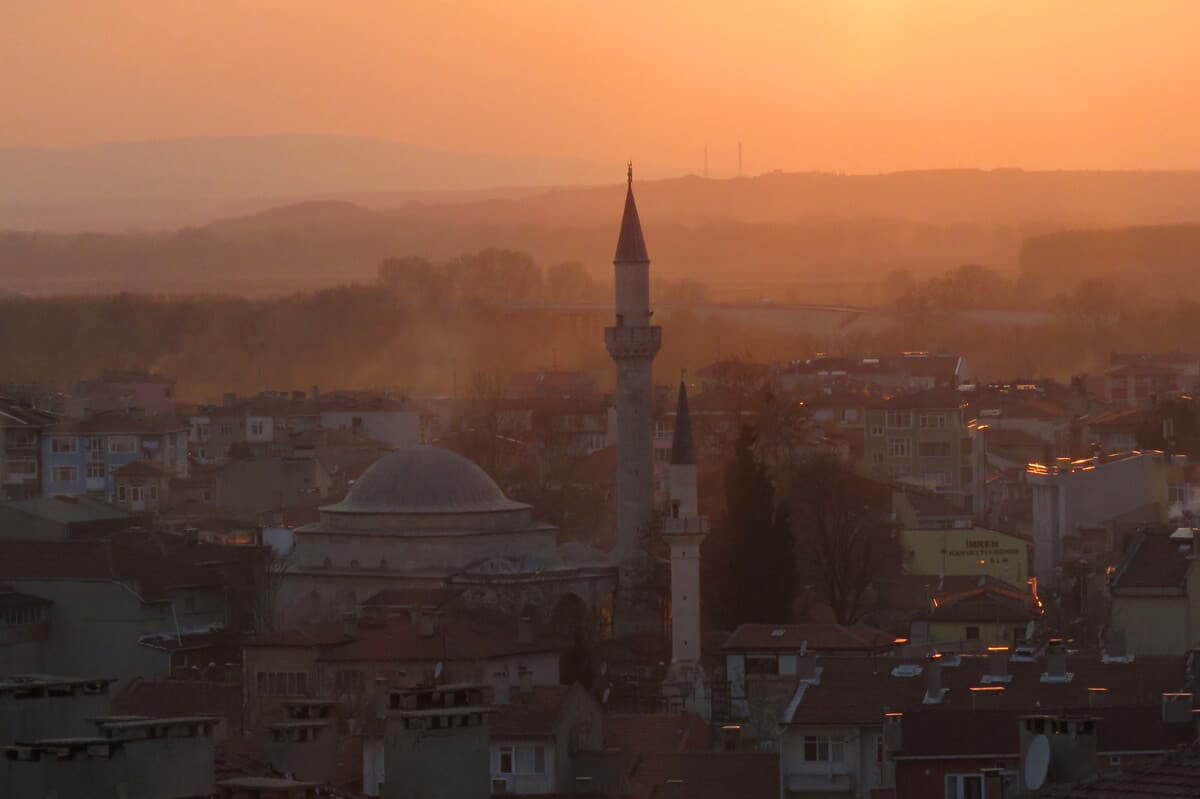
848, 85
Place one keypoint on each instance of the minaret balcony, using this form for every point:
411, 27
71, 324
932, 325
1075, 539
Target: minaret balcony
633, 342
685, 525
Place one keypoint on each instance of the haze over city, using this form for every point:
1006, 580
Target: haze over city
705, 400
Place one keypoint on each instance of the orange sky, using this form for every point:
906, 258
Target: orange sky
847, 85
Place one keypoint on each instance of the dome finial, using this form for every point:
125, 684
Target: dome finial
630, 173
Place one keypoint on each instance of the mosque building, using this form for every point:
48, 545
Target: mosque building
425, 517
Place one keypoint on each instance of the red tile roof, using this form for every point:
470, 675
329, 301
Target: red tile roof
121, 422
818, 637
1156, 561
934, 734
453, 640
857, 690
984, 605
643, 733
531, 714
152, 574
306, 635
707, 775
1175, 775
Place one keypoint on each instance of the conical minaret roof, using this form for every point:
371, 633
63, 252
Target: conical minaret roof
631, 246
683, 449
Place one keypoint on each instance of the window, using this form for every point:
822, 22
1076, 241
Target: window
63, 445
122, 445
122, 493
876, 459
876, 430
898, 419
152, 492
282, 683
898, 448
932, 420
348, 681
522, 759
25, 466
257, 428
936, 479
934, 449
823, 749
95, 471
64, 474
964, 786
22, 439
972, 633
226, 428
850, 415
762, 664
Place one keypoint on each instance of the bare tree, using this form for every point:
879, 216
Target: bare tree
844, 535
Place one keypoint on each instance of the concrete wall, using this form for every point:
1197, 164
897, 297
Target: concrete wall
1063, 503
1153, 625
437, 764
163, 768
856, 775
52, 716
95, 627
959, 552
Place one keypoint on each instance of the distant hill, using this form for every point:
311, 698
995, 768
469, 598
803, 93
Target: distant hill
777, 230
1158, 259
190, 181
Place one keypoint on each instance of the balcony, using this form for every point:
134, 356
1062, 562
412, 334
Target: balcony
818, 777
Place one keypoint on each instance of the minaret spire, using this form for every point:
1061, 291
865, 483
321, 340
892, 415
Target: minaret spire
633, 342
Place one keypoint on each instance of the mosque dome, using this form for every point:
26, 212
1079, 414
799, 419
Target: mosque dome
425, 480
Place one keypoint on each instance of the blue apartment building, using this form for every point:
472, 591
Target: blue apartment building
79, 457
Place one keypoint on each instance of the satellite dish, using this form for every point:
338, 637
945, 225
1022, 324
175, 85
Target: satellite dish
604, 696
1037, 763
437, 671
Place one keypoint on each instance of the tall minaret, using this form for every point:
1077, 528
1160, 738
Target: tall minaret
684, 530
633, 342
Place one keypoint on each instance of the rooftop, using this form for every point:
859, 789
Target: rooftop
452, 640
1156, 561
817, 637
122, 422
67, 510
857, 690
531, 714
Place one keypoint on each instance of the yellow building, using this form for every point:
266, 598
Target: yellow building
972, 620
967, 551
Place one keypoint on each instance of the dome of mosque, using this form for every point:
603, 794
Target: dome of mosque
425, 480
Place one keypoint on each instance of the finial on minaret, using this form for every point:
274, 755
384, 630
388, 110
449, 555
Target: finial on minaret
630, 173
631, 246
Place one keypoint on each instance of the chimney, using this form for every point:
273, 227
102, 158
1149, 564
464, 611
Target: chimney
806, 663
1056, 749
997, 665
893, 732
1056, 663
1114, 647
501, 690
525, 630
1177, 708
229, 399
426, 624
526, 678
933, 685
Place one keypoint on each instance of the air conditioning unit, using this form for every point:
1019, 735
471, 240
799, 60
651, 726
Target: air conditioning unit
499, 785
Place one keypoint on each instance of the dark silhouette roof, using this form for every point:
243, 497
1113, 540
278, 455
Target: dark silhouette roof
631, 246
683, 448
